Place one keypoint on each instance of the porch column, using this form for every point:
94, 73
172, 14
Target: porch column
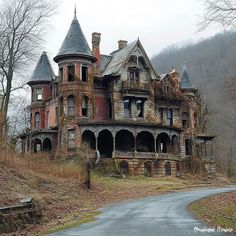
114, 144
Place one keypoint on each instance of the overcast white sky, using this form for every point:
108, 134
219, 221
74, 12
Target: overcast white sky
158, 23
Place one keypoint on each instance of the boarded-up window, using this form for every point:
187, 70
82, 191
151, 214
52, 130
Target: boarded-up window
71, 139
71, 105
85, 106
127, 108
37, 120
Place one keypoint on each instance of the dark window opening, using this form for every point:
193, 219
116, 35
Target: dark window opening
88, 139
148, 168
163, 143
85, 106
169, 117
145, 142
140, 108
71, 73
127, 108
61, 74
124, 141
47, 145
37, 120
167, 168
71, 139
188, 147
109, 109
105, 144
185, 119
84, 73
71, 105
195, 120
160, 110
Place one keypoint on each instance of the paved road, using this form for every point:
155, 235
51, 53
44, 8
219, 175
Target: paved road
164, 215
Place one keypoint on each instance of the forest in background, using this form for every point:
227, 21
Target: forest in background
212, 67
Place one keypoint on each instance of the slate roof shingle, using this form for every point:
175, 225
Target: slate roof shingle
43, 71
185, 82
75, 43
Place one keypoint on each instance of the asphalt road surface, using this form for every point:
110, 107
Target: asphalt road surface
164, 215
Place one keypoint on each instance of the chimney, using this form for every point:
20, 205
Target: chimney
122, 44
96, 39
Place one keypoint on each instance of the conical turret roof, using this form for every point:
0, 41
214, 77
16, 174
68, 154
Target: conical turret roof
75, 43
43, 71
186, 83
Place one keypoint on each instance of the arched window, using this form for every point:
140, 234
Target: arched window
85, 106
71, 105
37, 120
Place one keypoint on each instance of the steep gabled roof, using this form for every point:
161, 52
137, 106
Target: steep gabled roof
120, 57
186, 83
43, 71
75, 43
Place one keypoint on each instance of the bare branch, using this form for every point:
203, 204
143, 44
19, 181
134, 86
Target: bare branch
221, 13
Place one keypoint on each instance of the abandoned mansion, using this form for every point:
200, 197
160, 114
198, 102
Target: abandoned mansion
117, 105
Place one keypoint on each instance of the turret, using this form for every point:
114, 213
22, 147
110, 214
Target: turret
40, 83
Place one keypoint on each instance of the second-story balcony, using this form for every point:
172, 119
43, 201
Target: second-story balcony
135, 86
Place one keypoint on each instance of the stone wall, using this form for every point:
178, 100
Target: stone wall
14, 218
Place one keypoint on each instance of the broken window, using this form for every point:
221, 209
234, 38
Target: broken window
140, 108
188, 147
71, 139
127, 108
85, 106
37, 120
195, 120
61, 74
84, 73
169, 116
71, 105
71, 73
185, 119
39, 94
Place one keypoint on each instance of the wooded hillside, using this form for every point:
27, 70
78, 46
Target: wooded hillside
212, 66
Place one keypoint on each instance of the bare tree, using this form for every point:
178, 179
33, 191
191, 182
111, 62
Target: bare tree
218, 12
22, 24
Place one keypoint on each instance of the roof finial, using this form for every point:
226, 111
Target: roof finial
75, 12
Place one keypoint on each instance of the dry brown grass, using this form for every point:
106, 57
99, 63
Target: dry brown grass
41, 163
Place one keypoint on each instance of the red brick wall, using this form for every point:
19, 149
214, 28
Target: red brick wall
101, 108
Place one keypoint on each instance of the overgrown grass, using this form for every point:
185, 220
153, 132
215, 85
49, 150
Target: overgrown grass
41, 163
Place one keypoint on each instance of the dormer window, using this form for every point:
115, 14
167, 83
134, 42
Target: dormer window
71, 73
84, 73
39, 94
